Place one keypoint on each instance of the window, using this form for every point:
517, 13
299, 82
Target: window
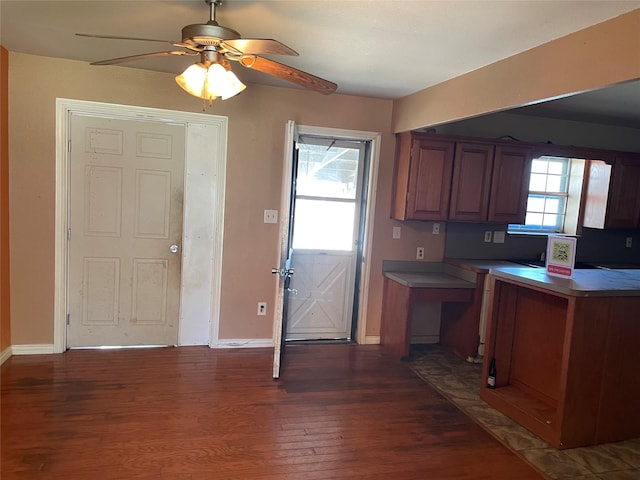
548, 196
327, 194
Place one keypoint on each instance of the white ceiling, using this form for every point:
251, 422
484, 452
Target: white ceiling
385, 49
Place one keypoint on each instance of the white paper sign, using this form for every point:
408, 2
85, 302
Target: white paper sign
561, 256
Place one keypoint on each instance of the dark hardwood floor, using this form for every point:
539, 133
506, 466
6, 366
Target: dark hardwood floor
338, 412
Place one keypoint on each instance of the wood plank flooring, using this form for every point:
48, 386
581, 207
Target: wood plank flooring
338, 412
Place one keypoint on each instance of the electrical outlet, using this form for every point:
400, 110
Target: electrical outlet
270, 216
396, 233
420, 253
629, 242
262, 308
436, 229
487, 237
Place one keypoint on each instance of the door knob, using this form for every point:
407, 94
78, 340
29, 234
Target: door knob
174, 248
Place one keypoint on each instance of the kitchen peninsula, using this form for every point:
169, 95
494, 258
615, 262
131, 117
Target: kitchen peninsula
567, 353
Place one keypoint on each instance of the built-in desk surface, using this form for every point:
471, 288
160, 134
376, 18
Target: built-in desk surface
428, 280
420, 282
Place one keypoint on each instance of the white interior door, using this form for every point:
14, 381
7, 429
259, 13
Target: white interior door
126, 197
326, 233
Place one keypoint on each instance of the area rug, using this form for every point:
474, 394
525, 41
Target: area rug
459, 382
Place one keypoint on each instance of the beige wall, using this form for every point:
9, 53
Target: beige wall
255, 151
5, 319
592, 58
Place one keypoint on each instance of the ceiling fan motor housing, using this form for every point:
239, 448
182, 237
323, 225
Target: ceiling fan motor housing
207, 34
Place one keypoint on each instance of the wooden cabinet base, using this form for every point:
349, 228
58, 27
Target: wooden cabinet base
567, 367
460, 323
398, 300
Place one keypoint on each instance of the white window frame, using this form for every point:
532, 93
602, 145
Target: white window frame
560, 226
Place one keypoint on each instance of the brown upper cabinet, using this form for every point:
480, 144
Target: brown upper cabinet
422, 178
510, 184
613, 193
473, 164
449, 179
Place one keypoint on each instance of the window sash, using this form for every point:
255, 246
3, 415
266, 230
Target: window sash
546, 208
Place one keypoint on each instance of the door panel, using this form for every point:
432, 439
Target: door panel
126, 189
103, 201
510, 185
153, 200
101, 293
430, 180
471, 181
149, 294
624, 196
319, 308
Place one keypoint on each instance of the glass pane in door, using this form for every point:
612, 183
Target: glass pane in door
323, 225
328, 172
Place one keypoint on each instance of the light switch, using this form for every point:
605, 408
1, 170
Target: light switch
396, 233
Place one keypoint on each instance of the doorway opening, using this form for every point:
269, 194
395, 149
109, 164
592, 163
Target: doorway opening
329, 185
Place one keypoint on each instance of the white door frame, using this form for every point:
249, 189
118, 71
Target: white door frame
374, 138
205, 172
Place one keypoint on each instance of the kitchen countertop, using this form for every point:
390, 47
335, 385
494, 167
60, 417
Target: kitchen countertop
462, 273
429, 280
429, 274
478, 266
585, 283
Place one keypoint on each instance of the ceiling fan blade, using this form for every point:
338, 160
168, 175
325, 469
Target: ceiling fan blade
260, 46
116, 37
131, 58
289, 74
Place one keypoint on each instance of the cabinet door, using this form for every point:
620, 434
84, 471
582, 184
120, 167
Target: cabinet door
510, 184
429, 180
623, 209
471, 182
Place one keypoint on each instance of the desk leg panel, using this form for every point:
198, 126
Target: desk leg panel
395, 327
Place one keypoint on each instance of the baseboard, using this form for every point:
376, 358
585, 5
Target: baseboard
35, 349
244, 343
372, 340
6, 353
425, 339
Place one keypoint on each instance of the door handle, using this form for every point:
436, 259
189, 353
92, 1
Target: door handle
282, 271
174, 248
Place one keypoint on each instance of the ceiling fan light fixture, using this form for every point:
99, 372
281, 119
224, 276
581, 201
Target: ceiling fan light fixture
210, 82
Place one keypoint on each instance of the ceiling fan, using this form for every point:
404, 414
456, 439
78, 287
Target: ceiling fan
216, 45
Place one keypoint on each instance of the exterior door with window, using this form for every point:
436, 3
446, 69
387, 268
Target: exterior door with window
126, 190
283, 270
326, 222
